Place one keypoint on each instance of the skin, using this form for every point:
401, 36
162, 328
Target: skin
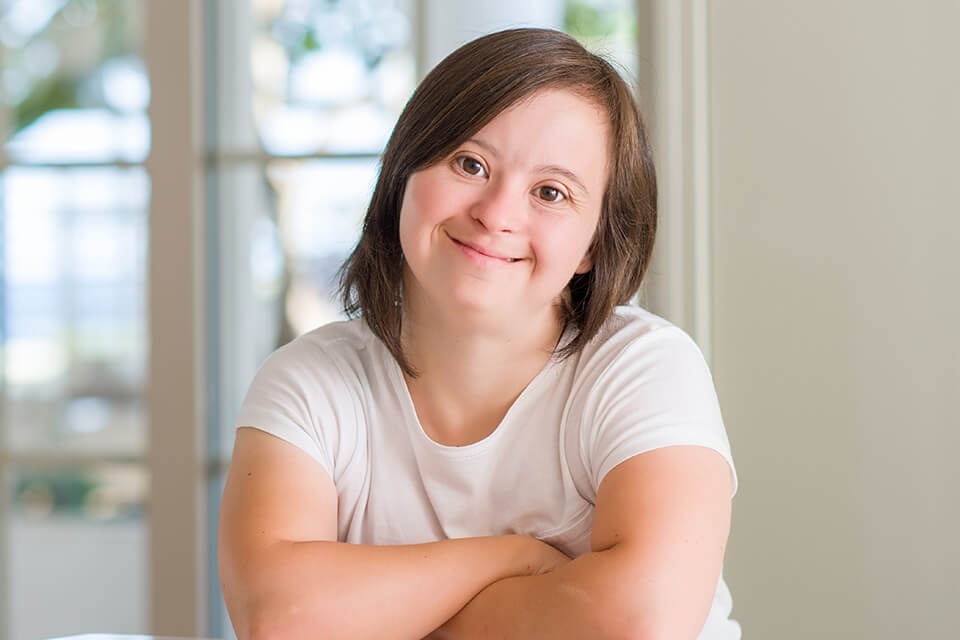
491, 236
479, 327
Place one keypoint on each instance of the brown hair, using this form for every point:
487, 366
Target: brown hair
459, 97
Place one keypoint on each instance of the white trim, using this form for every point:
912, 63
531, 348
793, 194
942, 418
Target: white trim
6, 509
700, 149
679, 282
59, 459
675, 123
6, 491
176, 393
8, 162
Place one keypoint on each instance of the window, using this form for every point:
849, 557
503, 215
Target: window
291, 170
73, 237
299, 100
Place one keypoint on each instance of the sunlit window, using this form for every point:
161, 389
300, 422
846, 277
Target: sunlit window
73, 231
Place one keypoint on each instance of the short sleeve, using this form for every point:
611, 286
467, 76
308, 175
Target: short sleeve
657, 391
298, 395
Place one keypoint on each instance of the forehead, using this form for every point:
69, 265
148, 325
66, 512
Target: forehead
552, 127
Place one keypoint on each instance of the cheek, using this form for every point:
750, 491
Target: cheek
422, 209
411, 212
564, 249
423, 198
407, 214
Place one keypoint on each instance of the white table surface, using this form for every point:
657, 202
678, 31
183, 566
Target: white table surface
120, 636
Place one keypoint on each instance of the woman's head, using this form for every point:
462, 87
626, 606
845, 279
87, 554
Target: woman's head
464, 93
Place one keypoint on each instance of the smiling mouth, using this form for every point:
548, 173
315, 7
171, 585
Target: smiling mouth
481, 251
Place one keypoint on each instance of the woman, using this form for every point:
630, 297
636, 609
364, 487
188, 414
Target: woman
494, 447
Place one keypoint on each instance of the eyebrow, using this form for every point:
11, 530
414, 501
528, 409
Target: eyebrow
566, 173
549, 168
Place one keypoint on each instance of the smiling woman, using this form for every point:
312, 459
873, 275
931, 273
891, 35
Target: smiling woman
498, 201
604, 134
494, 429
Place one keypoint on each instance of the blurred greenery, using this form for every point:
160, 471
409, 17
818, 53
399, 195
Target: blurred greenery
585, 20
54, 92
309, 42
58, 67
74, 492
302, 28
67, 489
109, 30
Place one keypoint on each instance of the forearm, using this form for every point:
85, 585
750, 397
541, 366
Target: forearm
338, 590
583, 599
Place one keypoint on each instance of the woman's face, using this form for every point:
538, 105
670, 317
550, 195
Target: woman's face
501, 225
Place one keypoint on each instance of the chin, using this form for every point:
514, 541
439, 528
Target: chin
481, 306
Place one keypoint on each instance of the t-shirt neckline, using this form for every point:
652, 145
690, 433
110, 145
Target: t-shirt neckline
474, 448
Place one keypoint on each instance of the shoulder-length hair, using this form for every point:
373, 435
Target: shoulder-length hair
460, 96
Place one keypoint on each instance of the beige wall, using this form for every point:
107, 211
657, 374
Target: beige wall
835, 192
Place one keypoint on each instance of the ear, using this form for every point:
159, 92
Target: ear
586, 264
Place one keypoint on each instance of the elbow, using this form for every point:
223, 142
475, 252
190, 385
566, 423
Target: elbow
621, 623
638, 633
260, 627
271, 623
257, 624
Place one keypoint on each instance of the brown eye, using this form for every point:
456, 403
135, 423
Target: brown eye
470, 165
550, 194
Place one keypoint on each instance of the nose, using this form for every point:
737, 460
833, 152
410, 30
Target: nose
497, 211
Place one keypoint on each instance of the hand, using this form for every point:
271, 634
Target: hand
532, 557
541, 558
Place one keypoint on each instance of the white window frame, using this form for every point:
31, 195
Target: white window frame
177, 422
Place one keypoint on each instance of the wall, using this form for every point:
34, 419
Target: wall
834, 130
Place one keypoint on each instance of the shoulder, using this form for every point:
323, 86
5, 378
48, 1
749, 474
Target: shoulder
310, 391
635, 337
642, 383
331, 359
341, 341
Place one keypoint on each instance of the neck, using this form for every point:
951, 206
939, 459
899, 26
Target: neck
470, 373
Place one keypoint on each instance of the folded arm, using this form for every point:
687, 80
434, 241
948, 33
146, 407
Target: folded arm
285, 577
660, 530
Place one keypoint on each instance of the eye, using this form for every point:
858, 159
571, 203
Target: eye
470, 166
550, 194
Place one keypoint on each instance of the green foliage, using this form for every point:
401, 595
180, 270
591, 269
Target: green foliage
69, 489
309, 41
54, 92
585, 21
114, 32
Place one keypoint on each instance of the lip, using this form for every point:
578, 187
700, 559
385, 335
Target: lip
483, 252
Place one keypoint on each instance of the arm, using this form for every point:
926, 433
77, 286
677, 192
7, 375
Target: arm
660, 529
285, 577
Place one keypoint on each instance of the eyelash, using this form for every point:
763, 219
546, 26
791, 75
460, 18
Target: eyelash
459, 162
562, 195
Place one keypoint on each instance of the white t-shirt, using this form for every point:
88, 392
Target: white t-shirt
338, 394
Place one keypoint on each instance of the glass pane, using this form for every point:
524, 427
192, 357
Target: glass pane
74, 80
77, 551
282, 238
72, 298
220, 625
607, 27
330, 76
321, 205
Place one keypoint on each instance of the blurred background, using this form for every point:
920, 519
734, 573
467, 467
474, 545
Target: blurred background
180, 180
